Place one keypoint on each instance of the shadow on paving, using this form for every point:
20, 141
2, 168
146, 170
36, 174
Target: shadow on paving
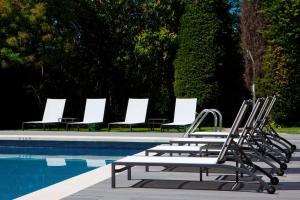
288, 186
196, 170
211, 185
293, 170
295, 159
197, 185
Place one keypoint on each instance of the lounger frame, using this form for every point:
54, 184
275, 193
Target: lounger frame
242, 161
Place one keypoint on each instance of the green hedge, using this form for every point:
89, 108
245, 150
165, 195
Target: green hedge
208, 62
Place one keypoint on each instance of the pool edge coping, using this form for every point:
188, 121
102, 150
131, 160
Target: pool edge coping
72, 185
80, 182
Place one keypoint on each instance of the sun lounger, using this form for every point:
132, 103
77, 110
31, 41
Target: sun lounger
93, 114
206, 162
184, 114
52, 114
252, 140
135, 114
240, 140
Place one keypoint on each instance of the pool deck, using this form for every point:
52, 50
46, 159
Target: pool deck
88, 136
157, 185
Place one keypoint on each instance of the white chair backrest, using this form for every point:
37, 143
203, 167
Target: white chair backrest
185, 110
94, 110
54, 110
136, 111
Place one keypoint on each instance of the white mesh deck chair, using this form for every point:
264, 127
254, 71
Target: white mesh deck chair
243, 164
135, 114
52, 114
184, 114
93, 114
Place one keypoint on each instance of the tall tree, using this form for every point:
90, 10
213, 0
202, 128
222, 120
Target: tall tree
26, 41
143, 36
253, 44
206, 65
50, 48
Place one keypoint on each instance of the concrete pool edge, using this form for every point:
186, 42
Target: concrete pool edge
80, 182
82, 138
71, 185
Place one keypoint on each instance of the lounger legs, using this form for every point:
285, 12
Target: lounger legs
129, 173
236, 173
113, 176
147, 167
200, 171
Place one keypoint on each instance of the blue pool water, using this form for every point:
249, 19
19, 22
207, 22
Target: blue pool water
26, 166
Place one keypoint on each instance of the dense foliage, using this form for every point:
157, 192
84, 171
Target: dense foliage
78, 49
84, 49
207, 64
281, 59
48, 49
270, 31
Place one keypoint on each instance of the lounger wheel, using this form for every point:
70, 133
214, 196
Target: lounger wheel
283, 166
271, 190
294, 147
280, 173
274, 181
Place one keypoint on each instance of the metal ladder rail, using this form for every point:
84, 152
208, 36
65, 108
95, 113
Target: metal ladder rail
217, 115
200, 118
201, 115
217, 119
220, 118
206, 111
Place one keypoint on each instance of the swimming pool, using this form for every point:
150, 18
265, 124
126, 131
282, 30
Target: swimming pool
26, 166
